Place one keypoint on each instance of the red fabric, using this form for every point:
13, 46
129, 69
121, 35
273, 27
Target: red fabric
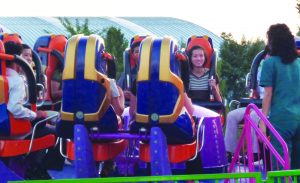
181, 56
107, 56
57, 42
102, 151
133, 63
2, 50
12, 37
177, 153
19, 126
138, 39
11, 148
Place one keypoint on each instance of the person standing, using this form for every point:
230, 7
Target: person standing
280, 78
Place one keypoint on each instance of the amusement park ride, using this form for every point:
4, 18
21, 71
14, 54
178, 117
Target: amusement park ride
162, 139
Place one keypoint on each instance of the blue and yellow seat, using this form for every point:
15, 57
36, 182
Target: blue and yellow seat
160, 99
86, 95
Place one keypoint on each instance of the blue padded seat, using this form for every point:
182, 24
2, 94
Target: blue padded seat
160, 92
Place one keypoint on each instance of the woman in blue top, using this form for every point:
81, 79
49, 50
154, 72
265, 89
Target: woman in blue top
280, 78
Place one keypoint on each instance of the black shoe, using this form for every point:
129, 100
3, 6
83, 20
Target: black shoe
229, 157
44, 175
109, 169
36, 173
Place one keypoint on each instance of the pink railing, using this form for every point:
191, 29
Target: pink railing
266, 151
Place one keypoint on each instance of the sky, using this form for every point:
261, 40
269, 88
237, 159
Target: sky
249, 18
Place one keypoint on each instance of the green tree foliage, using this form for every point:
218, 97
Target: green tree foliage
78, 28
235, 63
115, 43
182, 43
298, 8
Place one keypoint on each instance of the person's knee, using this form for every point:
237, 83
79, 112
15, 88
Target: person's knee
229, 115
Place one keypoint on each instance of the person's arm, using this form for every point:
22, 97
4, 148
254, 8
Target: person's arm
187, 103
118, 102
117, 99
132, 106
216, 93
56, 91
215, 89
16, 95
266, 106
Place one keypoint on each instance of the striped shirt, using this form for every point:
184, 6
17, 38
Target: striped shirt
199, 83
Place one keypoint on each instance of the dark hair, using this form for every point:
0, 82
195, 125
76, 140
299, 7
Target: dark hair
12, 48
25, 46
137, 44
267, 50
281, 43
190, 53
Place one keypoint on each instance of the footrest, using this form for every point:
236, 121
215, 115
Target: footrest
102, 151
177, 153
9, 148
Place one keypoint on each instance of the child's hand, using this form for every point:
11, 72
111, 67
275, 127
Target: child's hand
41, 114
127, 94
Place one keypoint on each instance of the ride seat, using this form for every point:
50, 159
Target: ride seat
12, 130
5, 37
50, 49
87, 94
206, 43
252, 82
130, 67
160, 95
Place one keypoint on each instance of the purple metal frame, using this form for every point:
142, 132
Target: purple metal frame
246, 133
121, 135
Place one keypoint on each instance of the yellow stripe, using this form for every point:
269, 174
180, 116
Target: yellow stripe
70, 60
67, 116
164, 64
143, 73
141, 118
90, 73
166, 75
69, 70
2, 92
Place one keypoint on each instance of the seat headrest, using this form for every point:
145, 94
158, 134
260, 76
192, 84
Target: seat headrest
203, 41
82, 73
158, 82
58, 42
5, 37
133, 42
136, 39
46, 45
